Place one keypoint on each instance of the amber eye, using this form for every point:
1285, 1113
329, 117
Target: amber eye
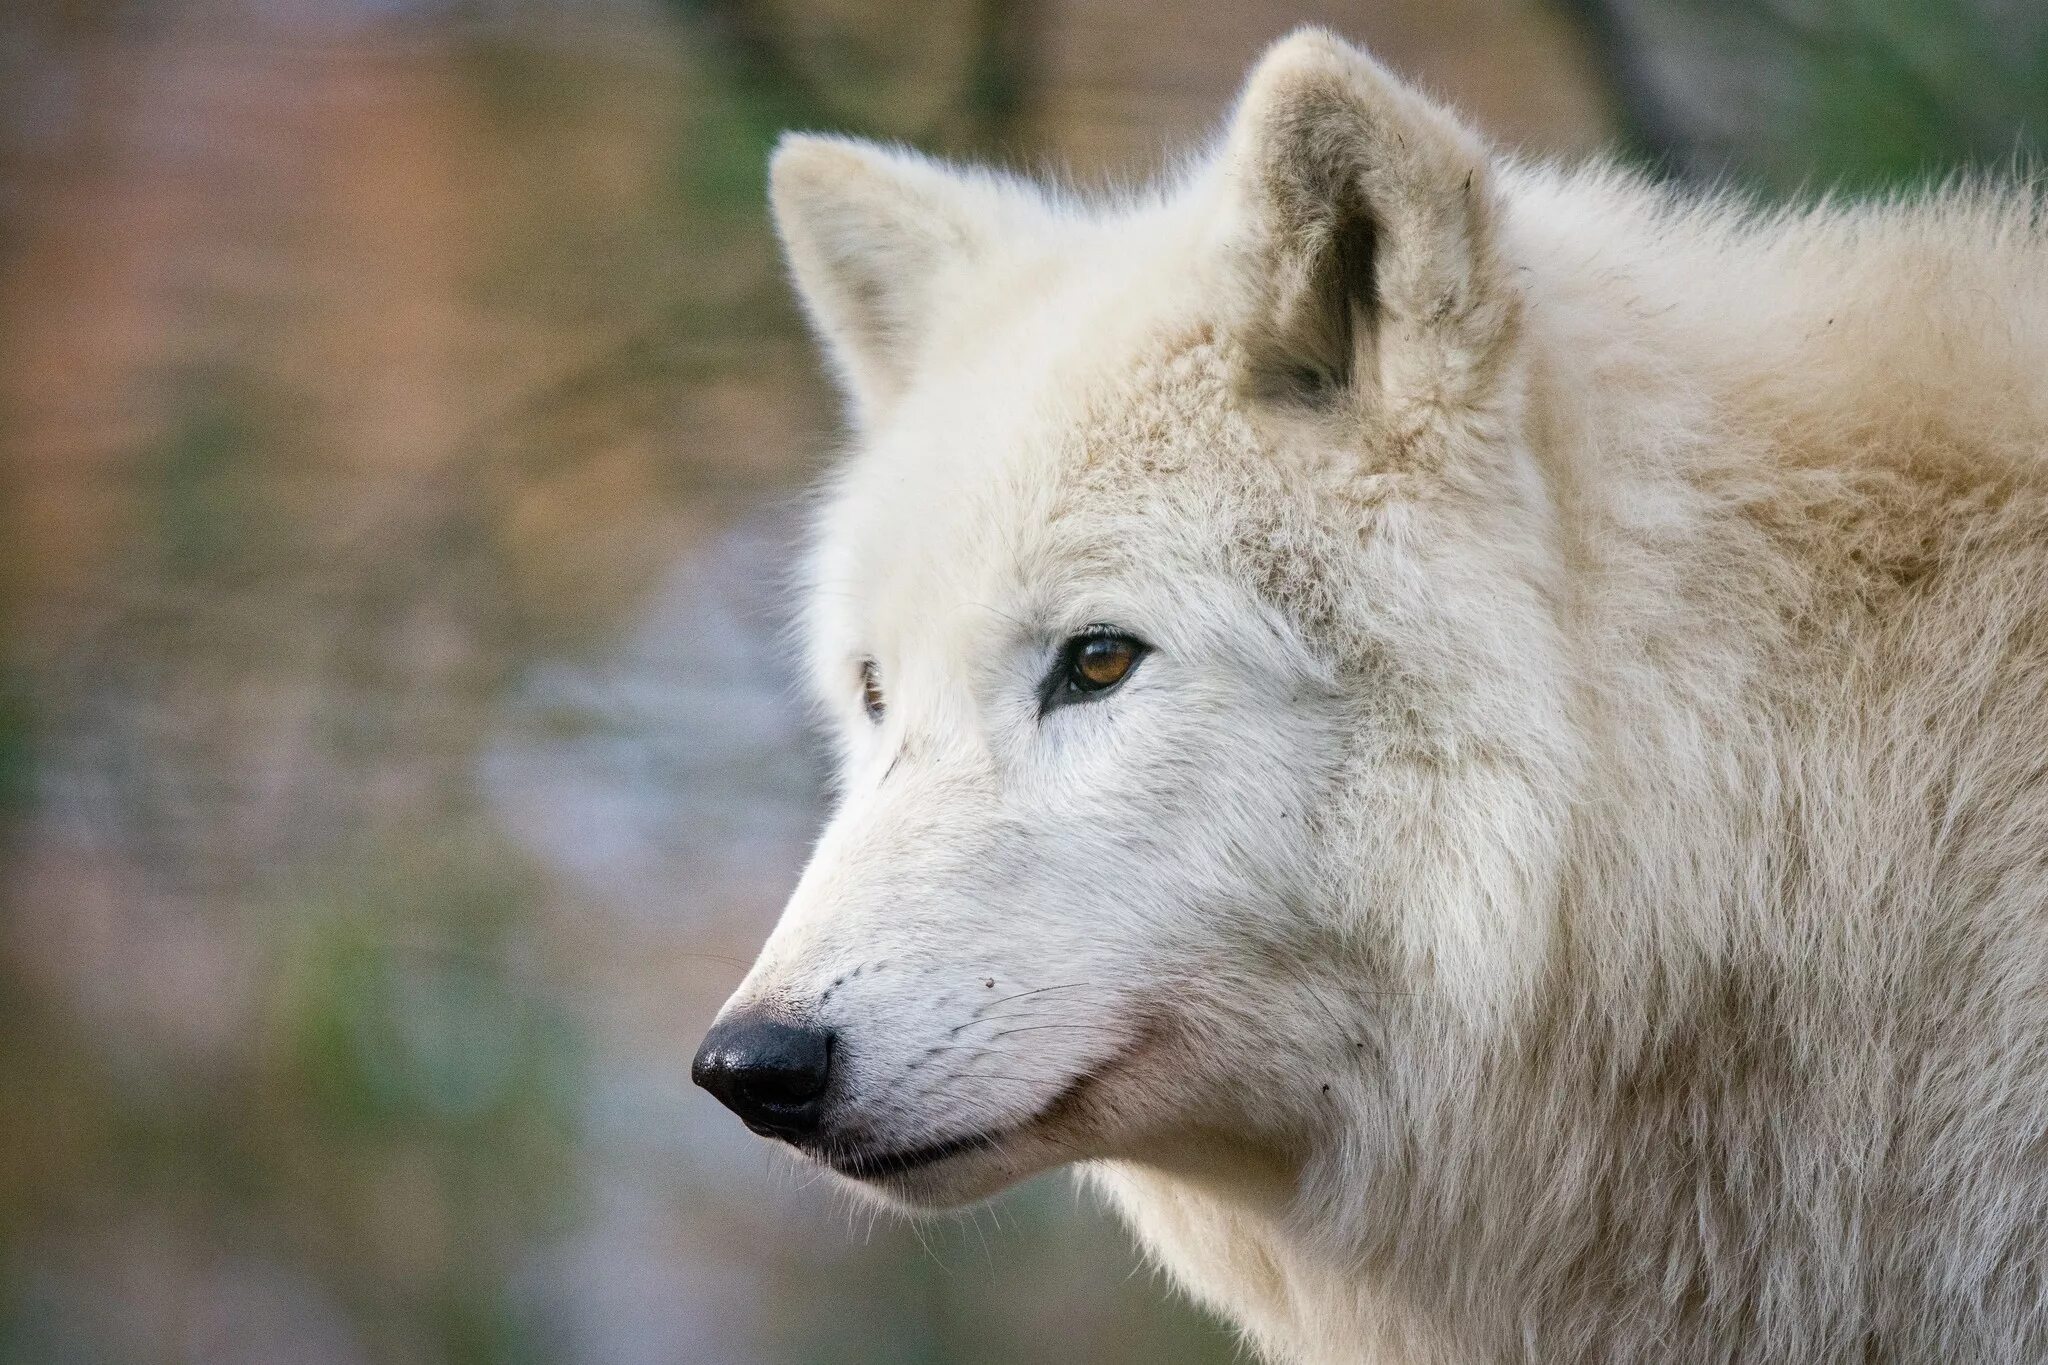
1091, 663
870, 689
1101, 661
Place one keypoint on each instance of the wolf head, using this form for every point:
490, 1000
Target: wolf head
1187, 615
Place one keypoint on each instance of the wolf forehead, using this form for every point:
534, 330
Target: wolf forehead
1144, 462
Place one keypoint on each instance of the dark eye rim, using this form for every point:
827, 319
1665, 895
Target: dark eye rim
1064, 686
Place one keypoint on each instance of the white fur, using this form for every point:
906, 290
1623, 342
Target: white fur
1568, 883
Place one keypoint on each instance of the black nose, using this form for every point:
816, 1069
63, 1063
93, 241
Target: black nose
769, 1071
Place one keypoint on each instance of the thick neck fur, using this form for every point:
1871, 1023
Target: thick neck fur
1759, 1103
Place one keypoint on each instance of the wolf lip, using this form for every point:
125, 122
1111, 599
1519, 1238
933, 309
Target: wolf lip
879, 1165
871, 1165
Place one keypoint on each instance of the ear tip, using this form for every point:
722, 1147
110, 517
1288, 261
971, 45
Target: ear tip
1311, 74
1308, 41
1313, 54
804, 159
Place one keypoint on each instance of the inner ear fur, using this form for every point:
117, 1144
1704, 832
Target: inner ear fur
1364, 233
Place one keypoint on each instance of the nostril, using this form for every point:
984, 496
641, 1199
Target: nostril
788, 1079
770, 1071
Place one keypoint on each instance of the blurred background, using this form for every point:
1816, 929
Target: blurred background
401, 422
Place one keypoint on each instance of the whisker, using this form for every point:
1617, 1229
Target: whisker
919, 1232
998, 611
717, 957
1031, 1007
1019, 995
1034, 1028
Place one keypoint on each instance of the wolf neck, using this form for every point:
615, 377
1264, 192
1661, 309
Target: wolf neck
1755, 545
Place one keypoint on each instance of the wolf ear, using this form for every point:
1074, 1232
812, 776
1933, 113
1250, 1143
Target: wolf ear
874, 238
1362, 227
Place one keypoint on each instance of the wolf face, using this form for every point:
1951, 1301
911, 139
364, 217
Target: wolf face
1185, 617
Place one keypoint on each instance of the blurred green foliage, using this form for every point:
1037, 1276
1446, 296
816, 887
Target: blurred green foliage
17, 748
410, 1051
1803, 97
210, 513
1889, 94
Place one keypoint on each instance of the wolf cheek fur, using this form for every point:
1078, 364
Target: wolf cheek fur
1558, 870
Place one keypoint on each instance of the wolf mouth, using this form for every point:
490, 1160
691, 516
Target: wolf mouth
859, 1165
879, 1165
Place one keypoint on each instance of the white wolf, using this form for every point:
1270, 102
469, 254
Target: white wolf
1473, 738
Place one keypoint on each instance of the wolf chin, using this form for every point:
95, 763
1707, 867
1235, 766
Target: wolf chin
1469, 738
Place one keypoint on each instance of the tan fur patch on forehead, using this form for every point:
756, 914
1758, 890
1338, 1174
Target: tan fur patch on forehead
1171, 413
1171, 439
1181, 409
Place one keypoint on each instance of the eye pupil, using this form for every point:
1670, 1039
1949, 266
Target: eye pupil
871, 689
